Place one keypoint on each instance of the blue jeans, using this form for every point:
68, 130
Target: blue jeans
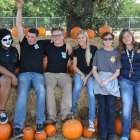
91, 97
26, 80
106, 116
129, 90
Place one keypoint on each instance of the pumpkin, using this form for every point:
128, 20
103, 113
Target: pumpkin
42, 31
135, 131
87, 133
91, 33
28, 133
118, 125
65, 34
78, 119
50, 130
74, 32
45, 61
96, 124
70, 67
5, 131
14, 32
26, 31
72, 129
104, 29
40, 136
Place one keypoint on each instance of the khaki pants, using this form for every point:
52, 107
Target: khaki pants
65, 82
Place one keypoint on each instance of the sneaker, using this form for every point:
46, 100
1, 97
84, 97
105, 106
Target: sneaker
18, 132
40, 128
91, 126
50, 121
67, 117
124, 138
3, 118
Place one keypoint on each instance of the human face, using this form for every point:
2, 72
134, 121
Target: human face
127, 38
57, 38
108, 40
82, 40
7, 41
32, 38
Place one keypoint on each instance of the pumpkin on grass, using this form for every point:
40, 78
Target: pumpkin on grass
87, 133
5, 131
72, 129
50, 130
40, 136
28, 133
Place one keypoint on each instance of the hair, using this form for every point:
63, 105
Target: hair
121, 43
57, 29
34, 31
106, 34
87, 53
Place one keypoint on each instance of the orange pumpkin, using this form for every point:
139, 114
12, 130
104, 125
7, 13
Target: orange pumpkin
78, 119
5, 131
87, 133
104, 29
135, 131
28, 133
118, 125
14, 32
26, 31
45, 61
72, 129
40, 136
42, 31
74, 32
96, 124
91, 33
70, 67
65, 34
50, 130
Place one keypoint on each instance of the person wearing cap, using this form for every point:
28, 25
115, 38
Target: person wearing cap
9, 60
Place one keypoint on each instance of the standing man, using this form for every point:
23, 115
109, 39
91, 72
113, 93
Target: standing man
56, 74
30, 74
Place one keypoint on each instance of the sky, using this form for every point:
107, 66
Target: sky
138, 1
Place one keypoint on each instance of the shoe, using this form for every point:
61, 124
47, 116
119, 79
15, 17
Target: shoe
3, 118
91, 126
40, 128
124, 138
50, 121
18, 132
67, 117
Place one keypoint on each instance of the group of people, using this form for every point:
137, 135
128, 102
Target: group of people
108, 72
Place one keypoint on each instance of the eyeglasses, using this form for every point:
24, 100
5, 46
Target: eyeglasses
9, 39
59, 35
105, 39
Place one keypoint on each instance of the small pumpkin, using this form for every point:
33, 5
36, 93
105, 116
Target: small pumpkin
96, 124
5, 131
91, 33
135, 131
72, 129
42, 31
45, 61
50, 130
118, 125
70, 67
26, 31
74, 32
28, 133
14, 32
40, 136
104, 29
87, 133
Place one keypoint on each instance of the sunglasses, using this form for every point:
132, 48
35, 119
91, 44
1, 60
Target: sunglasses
9, 39
105, 39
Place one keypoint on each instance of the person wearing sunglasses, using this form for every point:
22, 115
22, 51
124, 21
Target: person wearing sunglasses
9, 60
129, 79
106, 69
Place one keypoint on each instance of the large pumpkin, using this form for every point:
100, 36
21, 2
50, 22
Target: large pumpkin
118, 125
72, 129
87, 133
14, 32
74, 32
28, 133
50, 130
40, 136
5, 131
42, 31
104, 29
135, 131
91, 33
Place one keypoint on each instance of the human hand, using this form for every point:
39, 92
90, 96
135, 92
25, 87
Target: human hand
103, 83
19, 3
14, 80
68, 48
